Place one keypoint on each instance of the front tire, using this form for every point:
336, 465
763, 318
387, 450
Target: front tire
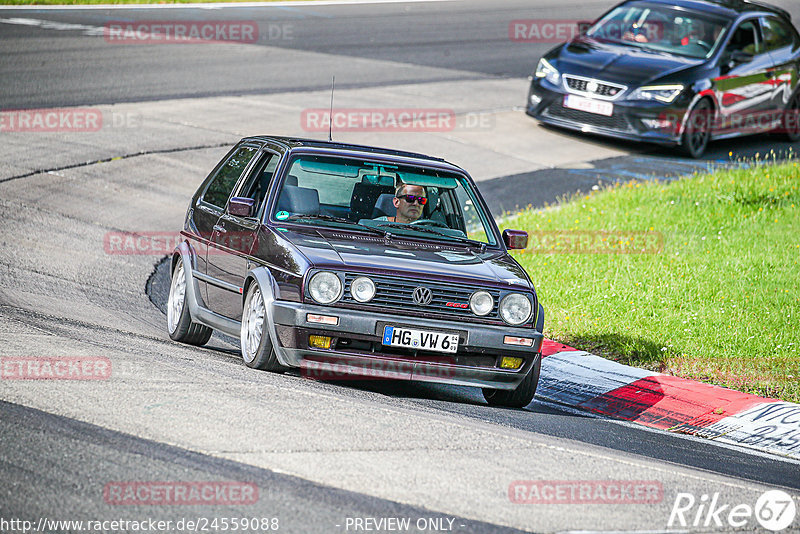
697, 133
179, 320
257, 349
519, 397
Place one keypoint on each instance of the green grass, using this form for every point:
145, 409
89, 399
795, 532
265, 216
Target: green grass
720, 302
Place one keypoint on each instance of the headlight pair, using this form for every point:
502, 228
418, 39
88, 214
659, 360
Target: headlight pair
515, 308
326, 288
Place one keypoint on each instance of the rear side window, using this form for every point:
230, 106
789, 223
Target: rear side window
777, 34
220, 187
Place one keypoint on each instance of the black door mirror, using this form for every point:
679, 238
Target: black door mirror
738, 57
241, 206
515, 239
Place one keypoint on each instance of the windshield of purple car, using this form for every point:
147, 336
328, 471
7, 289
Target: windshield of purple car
660, 28
404, 200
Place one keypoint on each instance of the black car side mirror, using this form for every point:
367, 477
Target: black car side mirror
515, 239
241, 206
739, 57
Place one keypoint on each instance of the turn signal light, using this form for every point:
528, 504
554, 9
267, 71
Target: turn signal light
322, 319
319, 342
510, 363
521, 341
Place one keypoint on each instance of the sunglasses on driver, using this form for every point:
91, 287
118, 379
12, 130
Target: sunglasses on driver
413, 198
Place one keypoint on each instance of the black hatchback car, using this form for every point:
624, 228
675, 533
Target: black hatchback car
675, 72
343, 259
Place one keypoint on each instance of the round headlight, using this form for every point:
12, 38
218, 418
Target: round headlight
362, 289
481, 303
325, 287
515, 308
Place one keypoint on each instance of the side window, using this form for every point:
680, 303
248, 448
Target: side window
258, 184
776, 34
745, 39
222, 184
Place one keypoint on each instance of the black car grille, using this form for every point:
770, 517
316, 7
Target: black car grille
603, 89
397, 293
614, 122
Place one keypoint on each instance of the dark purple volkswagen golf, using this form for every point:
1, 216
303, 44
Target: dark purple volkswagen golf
353, 260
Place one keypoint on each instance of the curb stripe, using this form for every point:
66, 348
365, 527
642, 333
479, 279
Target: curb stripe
588, 382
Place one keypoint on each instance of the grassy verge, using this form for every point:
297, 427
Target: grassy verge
704, 281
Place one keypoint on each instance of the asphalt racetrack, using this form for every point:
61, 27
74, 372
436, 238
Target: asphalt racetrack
323, 457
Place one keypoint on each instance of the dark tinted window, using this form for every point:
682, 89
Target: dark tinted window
777, 34
258, 184
222, 184
745, 39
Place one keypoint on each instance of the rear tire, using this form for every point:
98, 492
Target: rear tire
179, 320
697, 133
791, 119
257, 349
519, 397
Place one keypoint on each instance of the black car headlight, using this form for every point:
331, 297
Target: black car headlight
547, 71
325, 287
481, 303
362, 289
515, 308
662, 93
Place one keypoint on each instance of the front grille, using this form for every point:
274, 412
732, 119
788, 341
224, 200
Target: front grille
397, 293
614, 122
596, 88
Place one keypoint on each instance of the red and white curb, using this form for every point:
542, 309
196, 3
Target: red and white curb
587, 382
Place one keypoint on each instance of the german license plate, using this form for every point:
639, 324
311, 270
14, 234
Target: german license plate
395, 336
598, 107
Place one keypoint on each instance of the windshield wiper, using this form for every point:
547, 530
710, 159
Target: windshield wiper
342, 220
428, 230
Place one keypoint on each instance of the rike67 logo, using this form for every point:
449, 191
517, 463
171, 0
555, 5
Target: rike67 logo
775, 510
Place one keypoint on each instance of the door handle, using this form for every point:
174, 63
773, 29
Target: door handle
220, 229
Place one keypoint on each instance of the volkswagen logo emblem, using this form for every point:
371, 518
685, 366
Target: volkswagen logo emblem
591, 87
422, 296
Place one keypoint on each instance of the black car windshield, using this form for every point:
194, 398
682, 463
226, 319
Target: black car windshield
401, 200
659, 28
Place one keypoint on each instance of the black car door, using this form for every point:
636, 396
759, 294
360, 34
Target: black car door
234, 237
744, 90
783, 45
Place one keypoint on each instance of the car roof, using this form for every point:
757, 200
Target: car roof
727, 8
334, 146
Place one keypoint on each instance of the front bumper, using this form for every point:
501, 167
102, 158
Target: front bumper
545, 103
356, 348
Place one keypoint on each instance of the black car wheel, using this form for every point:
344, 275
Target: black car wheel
698, 129
519, 397
257, 350
179, 320
791, 118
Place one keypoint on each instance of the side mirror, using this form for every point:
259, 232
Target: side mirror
241, 206
738, 57
515, 239
583, 26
